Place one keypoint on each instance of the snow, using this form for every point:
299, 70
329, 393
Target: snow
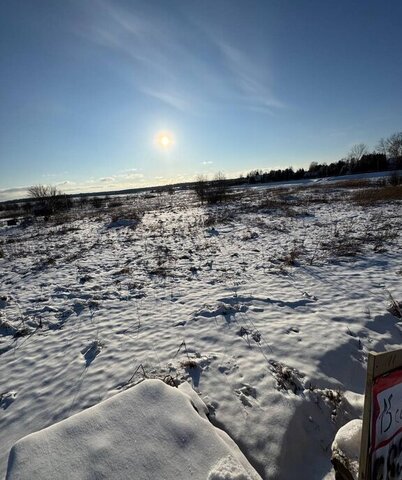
311, 181
267, 306
346, 446
151, 429
227, 469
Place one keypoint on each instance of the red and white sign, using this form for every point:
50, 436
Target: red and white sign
386, 427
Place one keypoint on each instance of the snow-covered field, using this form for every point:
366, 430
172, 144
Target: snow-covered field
267, 304
149, 431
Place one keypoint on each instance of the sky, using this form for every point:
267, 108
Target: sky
87, 85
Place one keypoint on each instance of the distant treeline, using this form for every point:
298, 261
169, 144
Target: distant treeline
386, 156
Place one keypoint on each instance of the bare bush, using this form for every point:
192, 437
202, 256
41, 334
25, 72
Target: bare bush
97, 202
218, 217
219, 189
211, 192
43, 191
48, 200
200, 187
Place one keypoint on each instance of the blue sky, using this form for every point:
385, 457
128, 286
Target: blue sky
86, 85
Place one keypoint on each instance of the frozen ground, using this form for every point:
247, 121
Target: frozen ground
267, 304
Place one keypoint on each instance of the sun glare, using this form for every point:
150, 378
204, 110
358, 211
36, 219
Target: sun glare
164, 140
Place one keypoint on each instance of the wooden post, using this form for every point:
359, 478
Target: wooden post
378, 364
364, 464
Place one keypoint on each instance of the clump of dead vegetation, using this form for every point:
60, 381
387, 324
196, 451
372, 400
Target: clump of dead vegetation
287, 378
218, 216
290, 258
168, 375
343, 246
394, 307
370, 196
281, 201
352, 183
47, 200
126, 217
211, 191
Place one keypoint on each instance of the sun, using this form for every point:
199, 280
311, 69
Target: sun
164, 140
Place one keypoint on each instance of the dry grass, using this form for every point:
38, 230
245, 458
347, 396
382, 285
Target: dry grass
290, 259
394, 307
353, 183
218, 216
344, 246
127, 212
370, 196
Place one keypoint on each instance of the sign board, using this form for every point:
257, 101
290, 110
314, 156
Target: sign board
381, 444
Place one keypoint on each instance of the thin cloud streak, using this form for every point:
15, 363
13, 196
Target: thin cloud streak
166, 65
173, 100
253, 82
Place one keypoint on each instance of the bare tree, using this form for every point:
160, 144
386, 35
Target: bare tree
381, 146
357, 151
394, 145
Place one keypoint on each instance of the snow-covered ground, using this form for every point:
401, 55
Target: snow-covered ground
267, 304
150, 431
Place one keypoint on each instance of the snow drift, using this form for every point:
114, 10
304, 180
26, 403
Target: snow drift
150, 431
346, 449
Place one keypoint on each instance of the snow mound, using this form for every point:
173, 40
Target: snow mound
228, 469
150, 431
346, 446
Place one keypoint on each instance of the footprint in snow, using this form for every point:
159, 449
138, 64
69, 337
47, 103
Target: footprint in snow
78, 308
311, 297
244, 394
6, 399
3, 301
212, 232
292, 330
226, 310
257, 309
91, 351
228, 367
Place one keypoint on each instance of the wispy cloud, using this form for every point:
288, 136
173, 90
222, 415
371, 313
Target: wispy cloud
187, 68
172, 99
65, 183
126, 179
12, 193
252, 80
120, 181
